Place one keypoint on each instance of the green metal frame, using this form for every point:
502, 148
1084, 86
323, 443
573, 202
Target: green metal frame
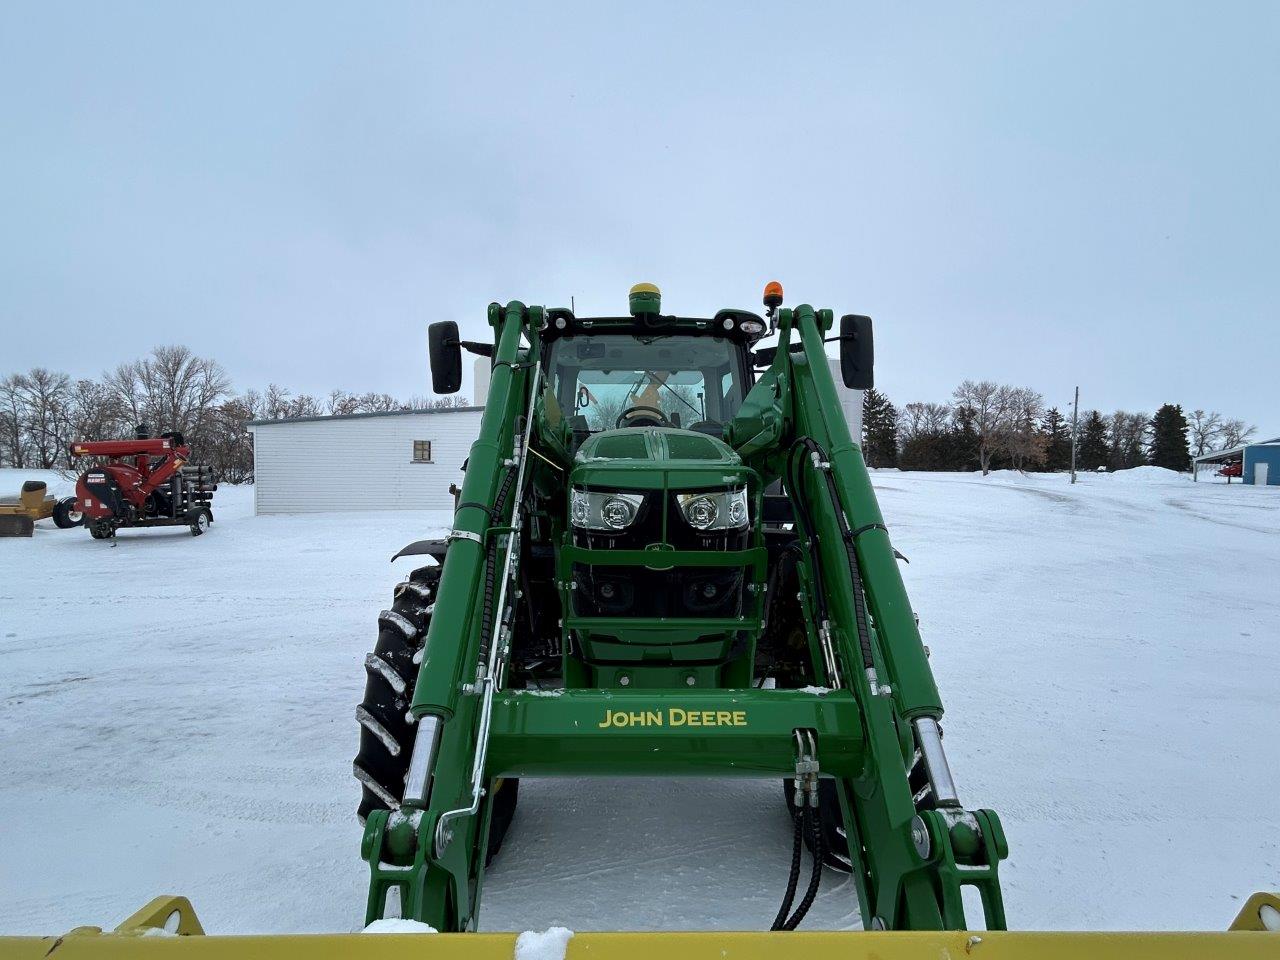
909, 864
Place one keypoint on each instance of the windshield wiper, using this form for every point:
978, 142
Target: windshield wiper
677, 396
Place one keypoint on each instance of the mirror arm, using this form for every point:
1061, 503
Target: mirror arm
479, 349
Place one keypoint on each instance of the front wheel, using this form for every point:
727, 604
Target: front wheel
387, 727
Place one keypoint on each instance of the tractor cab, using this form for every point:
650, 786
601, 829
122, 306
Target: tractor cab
646, 369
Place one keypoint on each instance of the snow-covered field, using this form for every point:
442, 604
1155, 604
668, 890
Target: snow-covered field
176, 715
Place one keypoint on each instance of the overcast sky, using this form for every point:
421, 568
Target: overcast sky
1041, 194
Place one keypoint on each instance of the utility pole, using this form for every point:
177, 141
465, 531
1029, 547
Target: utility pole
1075, 419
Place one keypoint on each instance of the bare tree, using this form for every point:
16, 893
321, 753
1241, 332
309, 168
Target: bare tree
1127, 435
1205, 429
991, 404
43, 395
13, 441
1236, 432
378, 403
1020, 438
172, 389
340, 403
923, 419
94, 412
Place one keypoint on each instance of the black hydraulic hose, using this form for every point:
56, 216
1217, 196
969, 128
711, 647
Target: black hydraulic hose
806, 521
490, 569
813, 821
859, 594
794, 879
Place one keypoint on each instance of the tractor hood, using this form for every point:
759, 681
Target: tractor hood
653, 457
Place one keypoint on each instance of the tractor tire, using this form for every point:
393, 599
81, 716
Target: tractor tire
66, 513
386, 728
835, 845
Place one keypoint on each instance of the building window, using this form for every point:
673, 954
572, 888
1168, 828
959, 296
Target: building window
422, 451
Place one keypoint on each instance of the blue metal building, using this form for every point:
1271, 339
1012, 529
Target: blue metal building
1255, 463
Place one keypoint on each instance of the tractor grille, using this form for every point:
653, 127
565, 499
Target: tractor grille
632, 591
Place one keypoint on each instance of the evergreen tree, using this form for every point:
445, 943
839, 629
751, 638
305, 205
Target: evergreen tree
879, 430
1057, 452
960, 446
1093, 451
1169, 439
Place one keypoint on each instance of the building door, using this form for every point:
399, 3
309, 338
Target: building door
1260, 474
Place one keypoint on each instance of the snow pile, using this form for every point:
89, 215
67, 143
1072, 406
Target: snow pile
1150, 475
396, 925
550, 944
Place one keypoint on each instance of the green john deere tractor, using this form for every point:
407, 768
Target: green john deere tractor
666, 559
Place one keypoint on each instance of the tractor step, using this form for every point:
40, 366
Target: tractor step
747, 733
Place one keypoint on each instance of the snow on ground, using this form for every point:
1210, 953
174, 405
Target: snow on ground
176, 715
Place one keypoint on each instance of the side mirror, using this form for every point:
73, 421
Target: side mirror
446, 356
857, 352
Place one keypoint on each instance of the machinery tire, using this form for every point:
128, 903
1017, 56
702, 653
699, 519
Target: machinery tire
835, 845
506, 792
386, 729
200, 520
66, 514
101, 530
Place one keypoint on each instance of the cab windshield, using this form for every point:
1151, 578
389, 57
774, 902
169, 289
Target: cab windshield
609, 380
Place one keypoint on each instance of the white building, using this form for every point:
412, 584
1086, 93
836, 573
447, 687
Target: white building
361, 461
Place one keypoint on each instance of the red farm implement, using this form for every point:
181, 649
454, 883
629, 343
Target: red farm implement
143, 482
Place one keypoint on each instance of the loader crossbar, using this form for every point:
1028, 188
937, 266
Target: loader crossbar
747, 733
1247, 939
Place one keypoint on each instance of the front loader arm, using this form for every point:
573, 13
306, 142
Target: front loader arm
431, 850
916, 843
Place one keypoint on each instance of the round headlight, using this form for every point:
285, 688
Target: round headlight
580, 508
701, 513
617, 513
737, 509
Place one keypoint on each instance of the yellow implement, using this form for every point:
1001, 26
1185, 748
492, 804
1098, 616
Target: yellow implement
18, 514
167, 926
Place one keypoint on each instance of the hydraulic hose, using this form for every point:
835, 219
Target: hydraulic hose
806, 819
806, 521
779, 922
812, 447
491, 569
815, 877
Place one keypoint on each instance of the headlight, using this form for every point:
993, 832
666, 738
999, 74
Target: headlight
714, 511
604, 511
